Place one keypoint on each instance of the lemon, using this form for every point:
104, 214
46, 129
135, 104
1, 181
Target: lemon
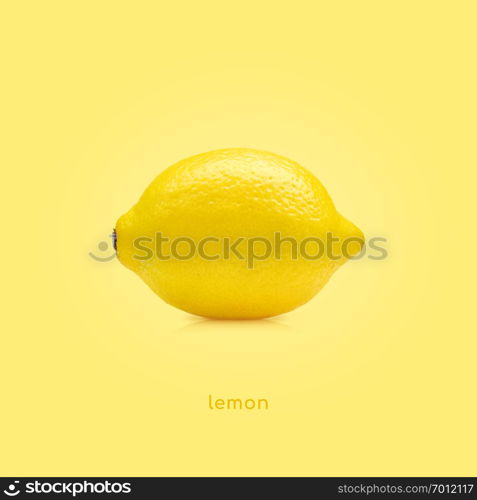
235, 233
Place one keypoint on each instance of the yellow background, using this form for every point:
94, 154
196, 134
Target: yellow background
376, 375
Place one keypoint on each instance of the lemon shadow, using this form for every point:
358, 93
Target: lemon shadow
206, 325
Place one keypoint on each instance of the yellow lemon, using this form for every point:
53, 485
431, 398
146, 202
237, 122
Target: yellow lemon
235, 233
